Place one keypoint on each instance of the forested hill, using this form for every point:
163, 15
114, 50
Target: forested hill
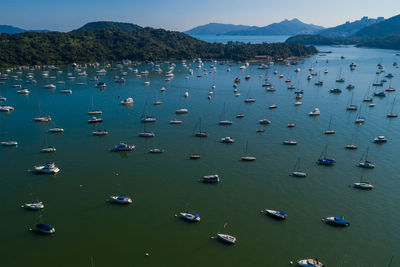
109, 44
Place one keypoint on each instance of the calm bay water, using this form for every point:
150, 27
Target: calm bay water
163, 185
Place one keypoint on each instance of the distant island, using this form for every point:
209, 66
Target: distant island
285, 27
379, 33
12, 29
114, 41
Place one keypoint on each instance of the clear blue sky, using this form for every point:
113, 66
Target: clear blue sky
182, 15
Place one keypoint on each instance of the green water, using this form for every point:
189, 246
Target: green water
162, 185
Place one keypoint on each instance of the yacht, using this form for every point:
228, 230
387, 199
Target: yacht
56, 130
213, 178
190, 216
323, 160
34, 206
380, 94
380, 139
49, 149
227, 140
95, 120
127, 101
338, 221
123, 146
42, 119
100, 132
310, 263
45, 228
276, 214
227, 238
182, 111
121, 199
291, 125
48, 168
315, 112
23, 92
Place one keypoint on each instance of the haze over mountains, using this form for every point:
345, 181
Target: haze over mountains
285, 27
12, 29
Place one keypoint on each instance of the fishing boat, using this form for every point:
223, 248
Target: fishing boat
48, 168
49, 149
95, 120
56, 130
42, 119
45, 228
127, 101
213, 178
364, 162
227, 238
281, 215
323, 160
380, 139
329, 131
100, 132
296, 172
337, 221
190, 216
247, 157
310, 263
227, 140
315, 112
121, 199
123, 146
34, 206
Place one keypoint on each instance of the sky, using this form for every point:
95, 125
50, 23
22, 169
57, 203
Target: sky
181, 15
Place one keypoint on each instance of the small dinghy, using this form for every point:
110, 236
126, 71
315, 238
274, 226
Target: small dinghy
45, 228
213, 178
281, 215
34, 206
310, 263
227, 238
48, 168
100, 132
337, 221
121, 199
190, 217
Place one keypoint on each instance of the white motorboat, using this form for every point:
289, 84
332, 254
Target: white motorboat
227, 140
95, 113
49, 149
23, 92
190, 216
175, 121
34, 206
290, 142
276, 214
264, 122
182, 111
273, 106
127, 101
50, 86
380, 139
310, 263
363, 185
121, 199
48, 168
156, 150
9, 143
56, 130
315, 112
227, 238
213, 178
100, 132
4, 108
66, 91
95, 120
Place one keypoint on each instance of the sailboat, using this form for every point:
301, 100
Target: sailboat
330, 131
296, 172
94, 112
363, 185
323, 160
367, 98
247, 157
359, 119
4, 139
364, 162
146, 133
224, 121
145, 117
351, 106
200, 133
391, 114
340, 79
351, 145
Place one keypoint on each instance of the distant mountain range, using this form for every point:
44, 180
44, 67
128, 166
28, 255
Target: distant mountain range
285, 27
349, 28
12, 29
98, 25
381, 34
